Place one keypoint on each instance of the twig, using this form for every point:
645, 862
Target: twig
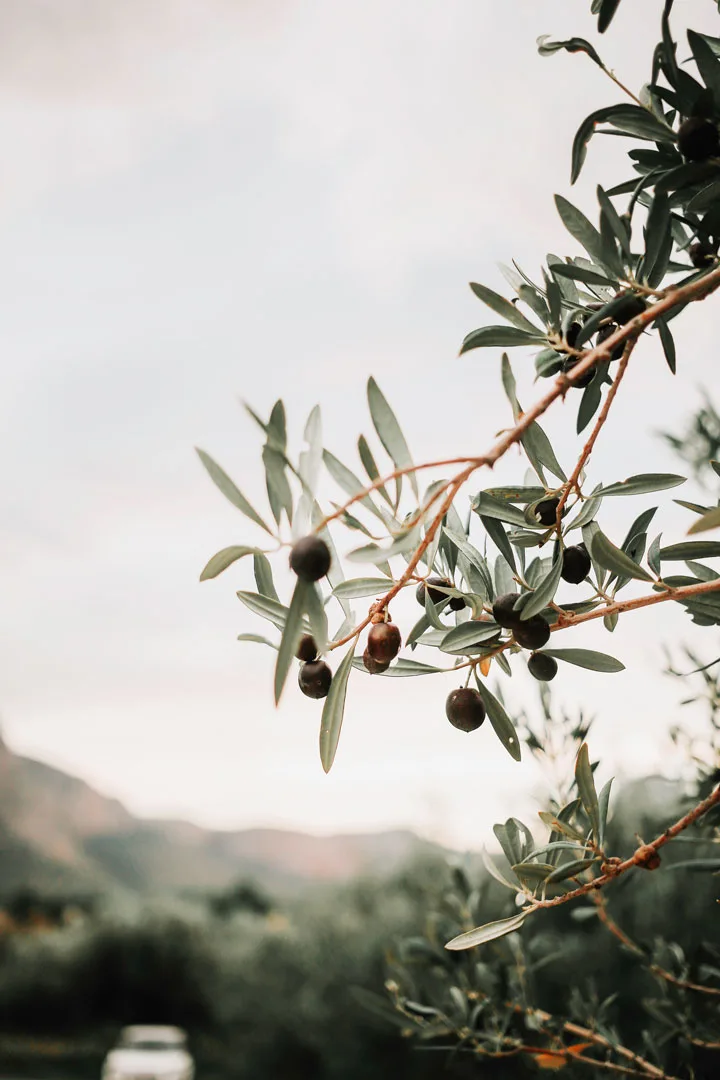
608, 921
685, 592
568, 618
381, 604
646, 1067
641, 857
383, 480
589, 445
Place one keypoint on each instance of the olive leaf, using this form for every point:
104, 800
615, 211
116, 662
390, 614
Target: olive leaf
613, 558
266, 607
504, 308
490, 932
642, 484
291, 635
505, 336
544, 591
225, 558
586, 788
693, 549
359, 587
402, 668
389, 431
710, 520
334, 710
501, 722
587, 658
222, 481
262, 571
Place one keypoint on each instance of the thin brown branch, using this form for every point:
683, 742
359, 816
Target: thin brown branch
619, 607
646, 1068
383, 480
608, 921
587, 449
567, 618
657, 1073
704, 1043
430, 531
643, 856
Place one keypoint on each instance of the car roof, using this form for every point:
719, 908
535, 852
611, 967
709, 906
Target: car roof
151, 1032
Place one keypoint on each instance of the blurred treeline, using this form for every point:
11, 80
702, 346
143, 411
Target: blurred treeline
270, 989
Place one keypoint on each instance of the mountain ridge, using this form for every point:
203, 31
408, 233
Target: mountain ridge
58, 834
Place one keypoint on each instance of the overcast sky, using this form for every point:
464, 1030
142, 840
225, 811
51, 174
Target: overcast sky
209, 200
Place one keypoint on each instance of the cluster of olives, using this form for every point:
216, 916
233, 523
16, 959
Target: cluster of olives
310, 559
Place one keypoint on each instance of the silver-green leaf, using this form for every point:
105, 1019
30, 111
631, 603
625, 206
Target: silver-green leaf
334, 710
586, 788
490, 932
291, 635
223, 559
587, 658
222, 481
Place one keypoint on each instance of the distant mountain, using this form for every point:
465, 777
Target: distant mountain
57, 834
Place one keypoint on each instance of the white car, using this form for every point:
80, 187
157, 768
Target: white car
149, 1052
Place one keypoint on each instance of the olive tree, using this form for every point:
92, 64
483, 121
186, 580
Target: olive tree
498, 583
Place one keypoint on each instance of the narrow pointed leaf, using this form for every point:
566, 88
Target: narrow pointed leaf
544, 591
507, 337
668, 343
370, 467
653, 555
612, 558
643, 483
316, 616
490, 932
264, 576
586, 788
291, 635
334, 710
504, 308
499, 537
349, 482
258, 638
223, 559
581, 229
463, 637
358, 587
587, 658
501, 722
568, 870
693, 549
230, 491
388, 430
603, 806
711, 520
403, 668
266, 607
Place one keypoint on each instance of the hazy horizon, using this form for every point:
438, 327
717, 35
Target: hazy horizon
213, 201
